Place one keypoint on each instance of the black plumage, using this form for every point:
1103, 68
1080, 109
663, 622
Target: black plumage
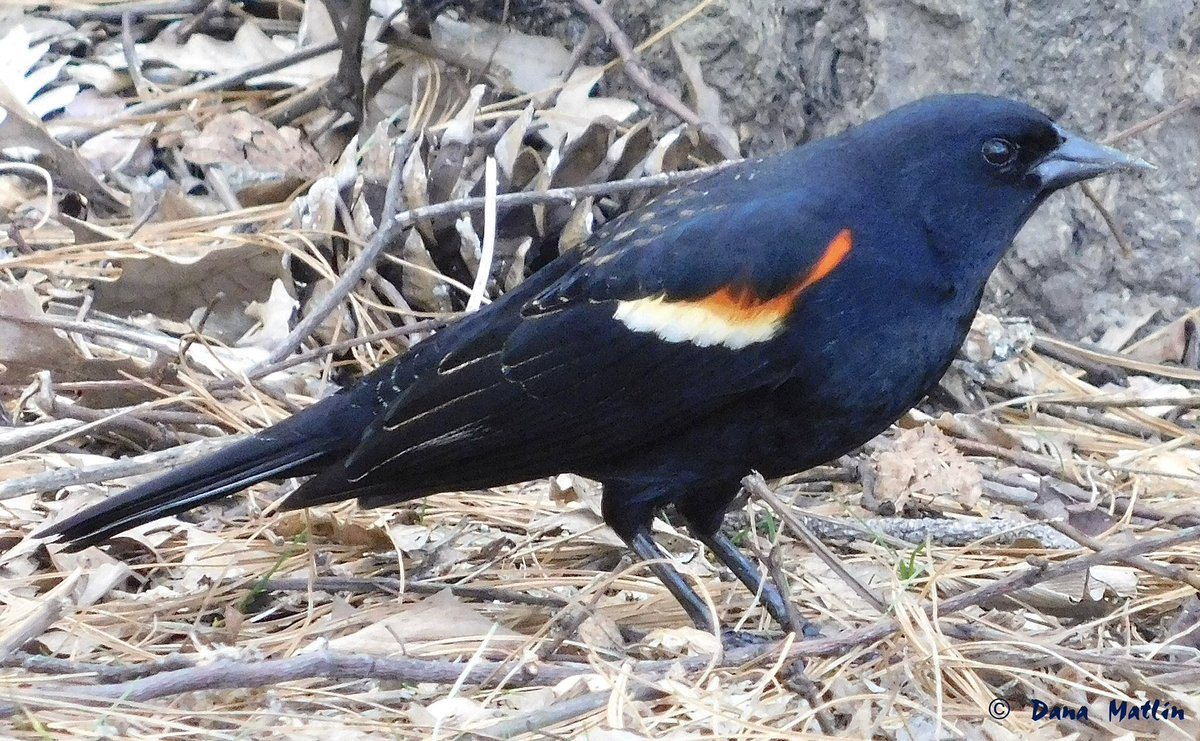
772, 317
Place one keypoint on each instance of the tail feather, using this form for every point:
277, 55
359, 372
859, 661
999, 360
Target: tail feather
224, 472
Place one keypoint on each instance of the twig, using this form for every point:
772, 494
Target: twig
562, 712
216, 82
1173, 573
1046, 345
149, 463
1039, 570
91, 329
129, 49
1107, 401
112, 13
37, 664
50, 607
128, 419
391, 227
1081, 496
397, 586
425, 325
945, 532
1110, 220
15, 439
633, 67
336, 667
326, 665
1099, 373
1183, 105
1050, 656
1065, 412
755, 484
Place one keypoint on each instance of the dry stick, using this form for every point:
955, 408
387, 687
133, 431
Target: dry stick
226, 674
106, 673
49, 609
397, 586
389, 232
1185, 104
562, 712
334, 667
1039, 571
216, 82
1056, 347
15, 439
229, 80
755, 484
1105, 402
141, 339
906, 532
1110, 220
973, 633
808, 688
638, 73
114, 12
149, 463
424, 325
1172, 573
1068, 413
127, 419
131, 58
1081, 496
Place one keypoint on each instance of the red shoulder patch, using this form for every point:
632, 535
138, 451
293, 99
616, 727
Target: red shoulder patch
734, 316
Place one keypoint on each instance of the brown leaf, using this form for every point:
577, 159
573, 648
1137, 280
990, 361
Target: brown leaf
240, 138
439, 617
922, 462
27, 347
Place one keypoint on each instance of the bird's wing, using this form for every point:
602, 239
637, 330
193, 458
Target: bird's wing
667, 314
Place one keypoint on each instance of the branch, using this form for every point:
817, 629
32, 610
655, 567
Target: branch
657, 93
390, 230
228, 675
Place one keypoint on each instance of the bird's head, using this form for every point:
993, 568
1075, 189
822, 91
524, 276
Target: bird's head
979, 165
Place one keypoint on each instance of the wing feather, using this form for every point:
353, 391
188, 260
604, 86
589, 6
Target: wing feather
548, 379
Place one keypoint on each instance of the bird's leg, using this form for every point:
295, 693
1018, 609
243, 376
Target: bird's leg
696, 608
747, 573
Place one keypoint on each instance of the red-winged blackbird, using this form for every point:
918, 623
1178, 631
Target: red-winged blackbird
772, 316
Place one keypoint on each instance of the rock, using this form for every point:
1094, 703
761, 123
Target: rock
791, 70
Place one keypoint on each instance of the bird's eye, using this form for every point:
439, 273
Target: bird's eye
999, 152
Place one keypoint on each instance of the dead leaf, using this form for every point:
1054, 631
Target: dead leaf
21, 128
576, 109
1168, 344
250, 46
515, 61
27, 348
226, 277
240, 138
29, 75
439, 617
922, 462
274, 318
452, 712
707, 100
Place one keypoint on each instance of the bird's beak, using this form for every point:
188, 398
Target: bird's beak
1077, 159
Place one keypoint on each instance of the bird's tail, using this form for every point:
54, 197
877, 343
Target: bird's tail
292, 448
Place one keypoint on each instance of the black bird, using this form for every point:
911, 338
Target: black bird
772, 316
